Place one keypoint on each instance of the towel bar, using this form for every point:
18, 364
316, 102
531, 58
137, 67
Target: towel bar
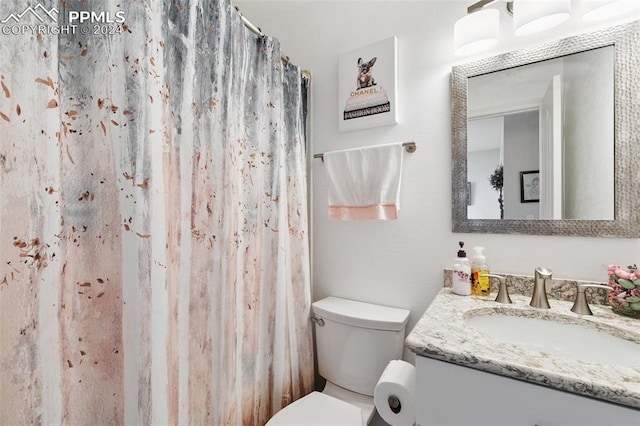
408, 146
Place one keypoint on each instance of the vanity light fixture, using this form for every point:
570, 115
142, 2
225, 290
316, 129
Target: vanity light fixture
598, 10
534, 16
478, 30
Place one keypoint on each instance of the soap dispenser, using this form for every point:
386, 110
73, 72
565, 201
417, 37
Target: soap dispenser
462, 273
480, 284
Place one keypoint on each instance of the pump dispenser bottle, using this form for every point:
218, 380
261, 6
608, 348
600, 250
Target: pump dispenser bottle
480, 285
462, 273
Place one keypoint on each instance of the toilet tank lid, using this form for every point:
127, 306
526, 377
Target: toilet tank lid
361, 314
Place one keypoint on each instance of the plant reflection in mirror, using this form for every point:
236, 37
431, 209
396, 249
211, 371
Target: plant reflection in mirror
496, 180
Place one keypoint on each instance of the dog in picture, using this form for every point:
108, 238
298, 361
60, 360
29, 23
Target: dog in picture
365, 77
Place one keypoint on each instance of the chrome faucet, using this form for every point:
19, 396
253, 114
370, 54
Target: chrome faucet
580, 306
539, 297
503, 292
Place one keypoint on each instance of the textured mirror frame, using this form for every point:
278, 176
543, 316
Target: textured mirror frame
626, 223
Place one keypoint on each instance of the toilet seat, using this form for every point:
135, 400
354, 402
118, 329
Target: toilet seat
317, 408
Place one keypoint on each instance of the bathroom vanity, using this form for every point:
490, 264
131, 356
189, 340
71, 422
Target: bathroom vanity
470, 375
480, 362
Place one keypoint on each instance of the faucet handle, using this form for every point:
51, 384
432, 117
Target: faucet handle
581, 306
503, 292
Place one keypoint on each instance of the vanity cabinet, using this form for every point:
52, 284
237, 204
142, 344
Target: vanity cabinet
450, 394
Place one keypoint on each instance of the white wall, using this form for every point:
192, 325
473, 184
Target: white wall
485, 137
484, 199
588, 183
400, 263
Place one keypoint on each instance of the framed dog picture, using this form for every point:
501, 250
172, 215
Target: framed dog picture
367, 86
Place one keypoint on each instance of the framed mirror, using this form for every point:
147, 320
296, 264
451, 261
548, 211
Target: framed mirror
546, 140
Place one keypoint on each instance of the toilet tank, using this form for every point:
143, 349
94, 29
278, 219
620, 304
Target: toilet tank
355, 341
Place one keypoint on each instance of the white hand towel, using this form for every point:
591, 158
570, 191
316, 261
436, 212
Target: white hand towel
364, 183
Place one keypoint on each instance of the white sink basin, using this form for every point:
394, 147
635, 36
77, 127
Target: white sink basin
575, 340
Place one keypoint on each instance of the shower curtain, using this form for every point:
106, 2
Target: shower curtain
153, 217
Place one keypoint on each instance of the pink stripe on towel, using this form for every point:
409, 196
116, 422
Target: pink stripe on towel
371, 212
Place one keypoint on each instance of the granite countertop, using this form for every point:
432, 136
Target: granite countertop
442, 334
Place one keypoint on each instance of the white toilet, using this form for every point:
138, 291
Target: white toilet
355, 342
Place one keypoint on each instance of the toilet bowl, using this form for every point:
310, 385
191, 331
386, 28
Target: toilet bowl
355, 342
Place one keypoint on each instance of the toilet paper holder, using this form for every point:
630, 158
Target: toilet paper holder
394, 394
394, 404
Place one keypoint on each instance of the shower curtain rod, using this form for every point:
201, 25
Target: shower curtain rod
249, 25
257, 31
408, 146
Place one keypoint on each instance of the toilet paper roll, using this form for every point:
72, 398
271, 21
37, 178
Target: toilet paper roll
394, 395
